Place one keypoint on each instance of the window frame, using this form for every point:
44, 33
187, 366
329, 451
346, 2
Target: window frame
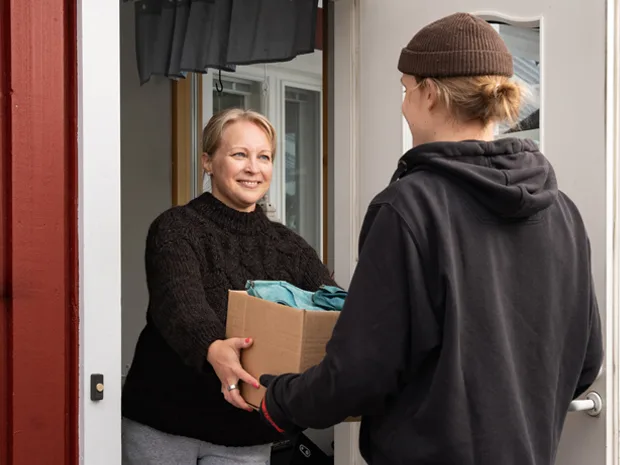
186, 139
281, 167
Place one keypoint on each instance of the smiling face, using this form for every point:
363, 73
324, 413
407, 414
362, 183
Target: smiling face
242, 165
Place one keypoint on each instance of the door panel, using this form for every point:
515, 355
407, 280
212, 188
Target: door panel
572, 126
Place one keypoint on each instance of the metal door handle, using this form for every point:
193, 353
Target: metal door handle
592, 405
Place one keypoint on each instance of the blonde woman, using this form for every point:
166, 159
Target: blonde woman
181, 404
471, 321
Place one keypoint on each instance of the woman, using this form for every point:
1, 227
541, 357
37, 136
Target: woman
471, 321
181, 404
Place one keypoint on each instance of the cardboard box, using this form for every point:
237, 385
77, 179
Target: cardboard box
286, 339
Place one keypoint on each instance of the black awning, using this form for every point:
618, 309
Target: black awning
174, 37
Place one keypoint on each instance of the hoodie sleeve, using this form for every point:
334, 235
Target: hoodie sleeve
594, 351
373, 348
594, 355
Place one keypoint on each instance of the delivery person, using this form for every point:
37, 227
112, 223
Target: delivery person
471, 320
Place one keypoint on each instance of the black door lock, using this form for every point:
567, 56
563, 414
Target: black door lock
96, 387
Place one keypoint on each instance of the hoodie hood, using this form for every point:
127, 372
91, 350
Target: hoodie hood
510, 177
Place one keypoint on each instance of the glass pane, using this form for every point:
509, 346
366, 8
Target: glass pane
523, 41
225, 100
237, 94
243, 87
302, 133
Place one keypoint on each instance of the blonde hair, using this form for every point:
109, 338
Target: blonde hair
487, 99
212, 133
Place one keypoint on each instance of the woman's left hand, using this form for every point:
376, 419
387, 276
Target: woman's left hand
224, 357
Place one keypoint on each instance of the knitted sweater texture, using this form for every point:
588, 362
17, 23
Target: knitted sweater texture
195, 254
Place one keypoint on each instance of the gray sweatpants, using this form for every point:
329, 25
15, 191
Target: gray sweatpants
143, 445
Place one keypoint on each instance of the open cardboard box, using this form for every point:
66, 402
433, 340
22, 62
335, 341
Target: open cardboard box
286, 339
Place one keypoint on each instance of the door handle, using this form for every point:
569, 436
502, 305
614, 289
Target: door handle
592, 405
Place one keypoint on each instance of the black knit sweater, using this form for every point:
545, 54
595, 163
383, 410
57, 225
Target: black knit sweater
194, 255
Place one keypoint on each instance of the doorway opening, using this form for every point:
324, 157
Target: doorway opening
161, 128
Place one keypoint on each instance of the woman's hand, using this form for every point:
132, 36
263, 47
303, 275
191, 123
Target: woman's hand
224, 357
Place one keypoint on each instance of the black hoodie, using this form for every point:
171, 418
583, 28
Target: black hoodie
471, 320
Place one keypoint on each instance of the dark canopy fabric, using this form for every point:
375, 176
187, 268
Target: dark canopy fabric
174, 37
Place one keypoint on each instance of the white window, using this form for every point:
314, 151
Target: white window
290, 95
237, 93
302, 162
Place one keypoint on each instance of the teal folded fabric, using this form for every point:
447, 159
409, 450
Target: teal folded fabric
283, 293
330, 297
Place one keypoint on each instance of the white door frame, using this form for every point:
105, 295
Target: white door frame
99, 215
347, 203
612, 146
346, 189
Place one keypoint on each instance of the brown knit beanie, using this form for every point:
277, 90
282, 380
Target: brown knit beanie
457, 45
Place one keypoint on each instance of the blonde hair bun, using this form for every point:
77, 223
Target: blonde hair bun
488, 99
503, 97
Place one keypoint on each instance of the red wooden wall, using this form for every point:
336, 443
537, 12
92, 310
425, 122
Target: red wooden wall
4, 257
38, 224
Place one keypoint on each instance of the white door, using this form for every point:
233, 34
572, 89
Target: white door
571, 71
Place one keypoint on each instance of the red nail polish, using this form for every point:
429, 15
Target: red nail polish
257, 386
247, 341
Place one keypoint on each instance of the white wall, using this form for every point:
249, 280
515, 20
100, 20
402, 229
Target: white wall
146, 190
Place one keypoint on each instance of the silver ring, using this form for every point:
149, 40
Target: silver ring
232, 387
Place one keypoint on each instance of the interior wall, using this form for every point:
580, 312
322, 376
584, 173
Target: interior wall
146, 178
